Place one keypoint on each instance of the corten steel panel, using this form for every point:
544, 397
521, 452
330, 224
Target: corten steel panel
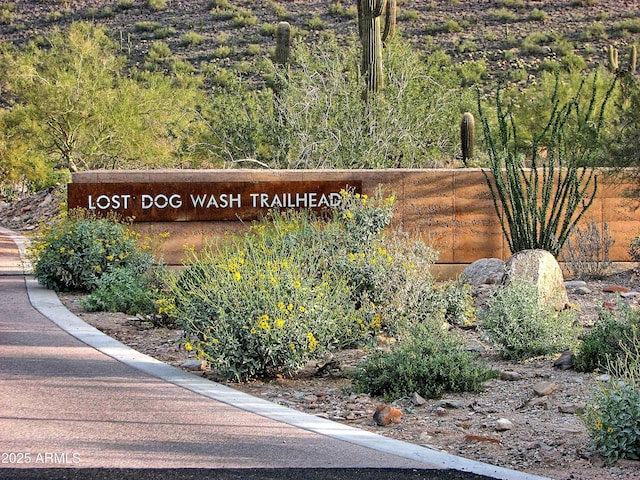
203, 201
476, 231
471, 184
441, 206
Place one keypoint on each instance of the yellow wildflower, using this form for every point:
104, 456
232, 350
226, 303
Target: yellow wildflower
237, 276
188, 347
313, 343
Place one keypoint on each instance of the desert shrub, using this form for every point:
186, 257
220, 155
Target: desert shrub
634, 248
631, 25
75, 250
613, 415
430, 361
157, 5
607, 340
586, 252
325, 123
271, 299
191, 38
125, 290
522, 326
501, 15
267, 303
538, 15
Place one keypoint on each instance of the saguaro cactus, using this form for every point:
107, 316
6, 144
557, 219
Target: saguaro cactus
467, 136
373, 34
612, 54
283, 43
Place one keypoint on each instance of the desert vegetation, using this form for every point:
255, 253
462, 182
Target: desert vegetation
227, 83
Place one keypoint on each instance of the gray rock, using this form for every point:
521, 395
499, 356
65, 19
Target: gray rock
194, 365
582, 291
565, 361
486, 271
417, 400
575, 284
510, 376
541, 268
456, 404
503, 424
629, 294
572, 409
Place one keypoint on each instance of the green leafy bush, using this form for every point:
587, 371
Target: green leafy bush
613, 421
268, 302
430, 361
73, 251
125, 290
522, 326
606, 341
613, 416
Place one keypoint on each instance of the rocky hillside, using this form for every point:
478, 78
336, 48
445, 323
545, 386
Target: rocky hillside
509, 35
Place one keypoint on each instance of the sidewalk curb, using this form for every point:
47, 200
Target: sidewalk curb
48, 304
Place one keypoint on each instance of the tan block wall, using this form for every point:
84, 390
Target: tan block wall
451, 209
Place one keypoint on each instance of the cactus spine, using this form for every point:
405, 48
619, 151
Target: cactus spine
283, 43
467, 136
373, 35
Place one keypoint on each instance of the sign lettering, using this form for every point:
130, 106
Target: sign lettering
206, 201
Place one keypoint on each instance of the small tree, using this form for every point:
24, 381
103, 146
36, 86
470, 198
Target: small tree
541, 194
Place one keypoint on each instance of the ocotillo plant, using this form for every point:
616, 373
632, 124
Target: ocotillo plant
539, 206
373, 34
467, 136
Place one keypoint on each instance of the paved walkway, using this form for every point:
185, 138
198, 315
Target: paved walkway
73, 397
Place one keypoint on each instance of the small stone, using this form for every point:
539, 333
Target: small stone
606, 378
575, 284
503, 424
572, 409
510, 376
386, 414
542, 389
417, 400
194, 365
582, 291
450, 404
629, 294
440, 411
615, 289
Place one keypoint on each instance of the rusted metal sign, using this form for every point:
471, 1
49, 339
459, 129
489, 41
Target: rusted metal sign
205, 201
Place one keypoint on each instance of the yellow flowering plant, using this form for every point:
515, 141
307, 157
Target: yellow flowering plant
74, 250
290, 306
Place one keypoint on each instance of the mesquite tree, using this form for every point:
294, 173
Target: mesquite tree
373, 34
541, 194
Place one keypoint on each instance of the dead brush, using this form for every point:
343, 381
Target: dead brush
586, 252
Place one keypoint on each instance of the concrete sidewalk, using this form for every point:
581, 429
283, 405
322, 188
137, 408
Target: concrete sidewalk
72, 397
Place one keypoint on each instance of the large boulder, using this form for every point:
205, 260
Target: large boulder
486, 271
541, 268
